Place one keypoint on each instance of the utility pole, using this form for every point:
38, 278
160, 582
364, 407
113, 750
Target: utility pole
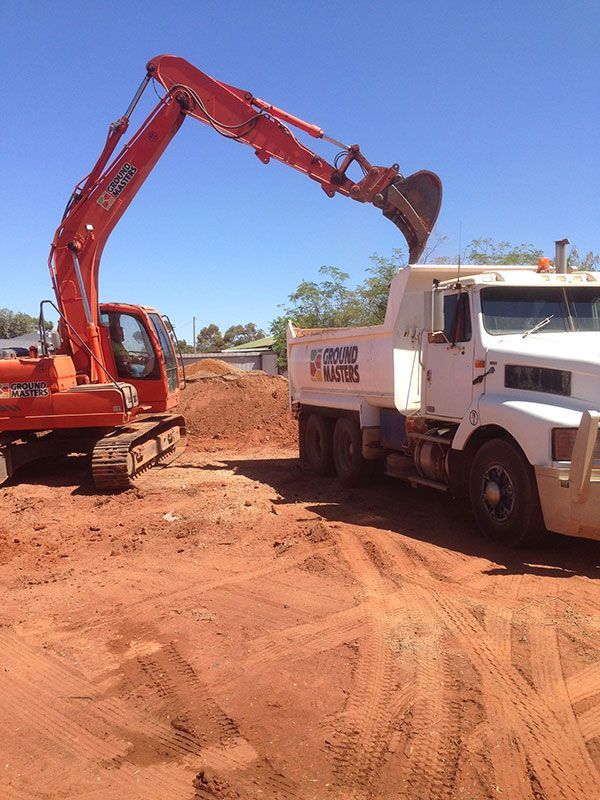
194, 332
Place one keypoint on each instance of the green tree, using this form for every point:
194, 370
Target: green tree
487, 251
589, 262
184, 346
17, 323
210, 339
278, 329
328, 303
372, 294
242, 334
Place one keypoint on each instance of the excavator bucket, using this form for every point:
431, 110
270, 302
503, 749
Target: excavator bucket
413, 205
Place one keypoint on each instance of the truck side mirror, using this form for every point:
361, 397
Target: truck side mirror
436, 333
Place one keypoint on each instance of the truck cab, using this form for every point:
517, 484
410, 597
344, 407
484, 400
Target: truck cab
481, 381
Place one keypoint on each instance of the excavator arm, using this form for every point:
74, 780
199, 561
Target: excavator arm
99, 201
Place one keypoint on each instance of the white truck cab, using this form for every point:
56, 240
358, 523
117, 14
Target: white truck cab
482, 381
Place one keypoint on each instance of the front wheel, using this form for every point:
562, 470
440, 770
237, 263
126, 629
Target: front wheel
504, 495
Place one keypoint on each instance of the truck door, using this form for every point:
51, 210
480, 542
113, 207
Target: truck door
448, 368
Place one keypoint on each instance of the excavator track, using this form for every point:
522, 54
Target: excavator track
122, 455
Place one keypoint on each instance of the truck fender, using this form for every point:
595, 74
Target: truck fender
529, 422
331, 405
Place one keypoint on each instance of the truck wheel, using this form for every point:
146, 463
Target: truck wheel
504, 495
350, 465
316, 448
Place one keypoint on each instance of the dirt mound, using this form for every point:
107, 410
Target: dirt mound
251, 409
213, 365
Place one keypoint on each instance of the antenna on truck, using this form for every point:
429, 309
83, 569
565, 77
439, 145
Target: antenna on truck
459, 250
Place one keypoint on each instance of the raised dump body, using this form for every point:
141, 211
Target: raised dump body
486, 384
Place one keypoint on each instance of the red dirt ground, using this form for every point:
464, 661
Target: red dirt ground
237, 628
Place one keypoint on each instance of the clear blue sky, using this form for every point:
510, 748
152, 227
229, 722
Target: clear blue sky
502, 100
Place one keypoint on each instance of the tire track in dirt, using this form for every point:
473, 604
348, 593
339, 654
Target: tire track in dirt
556, 764
584, 684
203, 727
362, 732
444, 712
193, 589
429, 735
515, 767
498, 625
589, 723
509, 763
304, 640
550, 683
177, 694
361, 735
173, 681
53, 709
126, 722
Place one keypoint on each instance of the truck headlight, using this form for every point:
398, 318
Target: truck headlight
563, 441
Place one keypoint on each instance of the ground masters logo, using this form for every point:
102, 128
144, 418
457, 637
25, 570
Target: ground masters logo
334, 364
116, 186
25, 389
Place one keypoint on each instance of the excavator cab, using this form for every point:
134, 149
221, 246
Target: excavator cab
141, 348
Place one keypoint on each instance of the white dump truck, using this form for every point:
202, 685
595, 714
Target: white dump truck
482, 381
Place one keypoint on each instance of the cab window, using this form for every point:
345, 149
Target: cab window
457, 317
168, 352
131, 346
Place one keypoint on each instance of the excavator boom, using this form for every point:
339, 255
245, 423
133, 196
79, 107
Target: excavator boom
99, 201
412, 203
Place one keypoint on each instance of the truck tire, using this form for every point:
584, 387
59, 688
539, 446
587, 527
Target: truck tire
504, 495
350, 466
316, 445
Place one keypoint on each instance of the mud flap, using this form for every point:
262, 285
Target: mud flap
413, 205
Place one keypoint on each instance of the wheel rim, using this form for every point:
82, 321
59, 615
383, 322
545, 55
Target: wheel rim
497, 493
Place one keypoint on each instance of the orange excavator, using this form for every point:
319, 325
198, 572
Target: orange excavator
111, 384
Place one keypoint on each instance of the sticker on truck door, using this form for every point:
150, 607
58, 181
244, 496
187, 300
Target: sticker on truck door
335, 364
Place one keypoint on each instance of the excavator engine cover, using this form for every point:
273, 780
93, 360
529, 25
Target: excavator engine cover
413, 205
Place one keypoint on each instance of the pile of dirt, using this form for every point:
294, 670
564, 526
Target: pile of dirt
239, 407
214, 366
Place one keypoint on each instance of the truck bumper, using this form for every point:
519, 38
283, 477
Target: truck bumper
570, 494
561, 514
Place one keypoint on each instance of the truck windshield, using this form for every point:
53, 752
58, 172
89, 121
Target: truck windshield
516, 309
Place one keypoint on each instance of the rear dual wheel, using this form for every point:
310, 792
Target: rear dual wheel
316, 447
350, 466
334, 445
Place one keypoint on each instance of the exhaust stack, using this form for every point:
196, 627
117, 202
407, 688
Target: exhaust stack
560, 256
